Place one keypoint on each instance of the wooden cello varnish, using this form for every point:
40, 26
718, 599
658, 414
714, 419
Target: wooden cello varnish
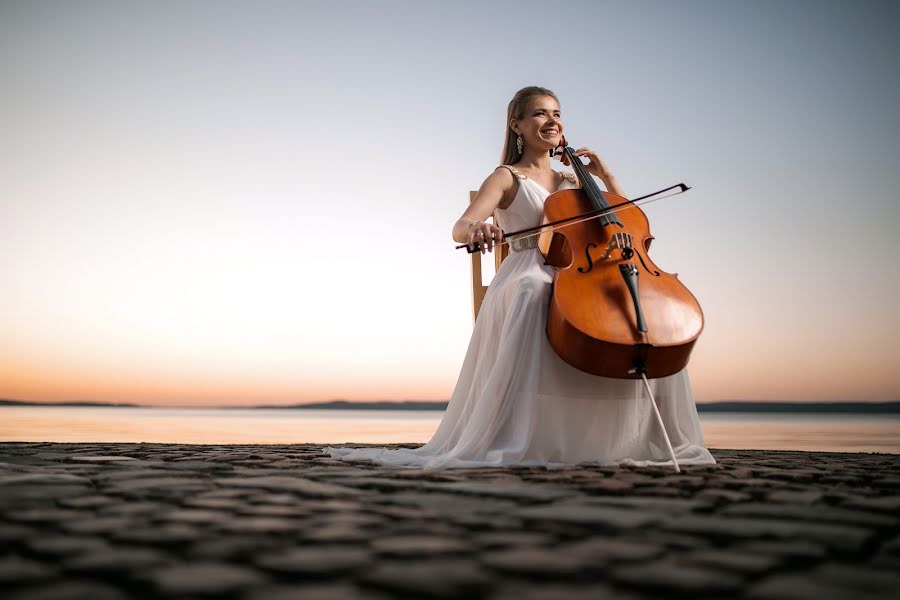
613, 312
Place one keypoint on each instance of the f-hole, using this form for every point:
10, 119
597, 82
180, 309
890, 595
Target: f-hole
587, 253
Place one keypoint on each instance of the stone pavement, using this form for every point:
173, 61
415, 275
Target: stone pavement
147, 521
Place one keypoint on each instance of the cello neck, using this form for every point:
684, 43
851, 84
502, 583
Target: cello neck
590, 187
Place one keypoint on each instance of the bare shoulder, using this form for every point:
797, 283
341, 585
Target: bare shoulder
503, 177
497, 190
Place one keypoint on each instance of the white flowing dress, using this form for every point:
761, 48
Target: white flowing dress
516, 402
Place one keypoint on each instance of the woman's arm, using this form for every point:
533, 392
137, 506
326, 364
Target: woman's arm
598, 167
470, 227
612, 184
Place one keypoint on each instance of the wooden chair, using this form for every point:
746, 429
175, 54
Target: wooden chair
478, 287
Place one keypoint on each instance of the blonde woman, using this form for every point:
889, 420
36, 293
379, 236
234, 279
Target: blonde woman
516, 402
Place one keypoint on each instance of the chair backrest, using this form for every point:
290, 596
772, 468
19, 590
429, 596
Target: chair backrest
478, 287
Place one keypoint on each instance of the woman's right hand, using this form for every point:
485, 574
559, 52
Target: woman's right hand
485, 234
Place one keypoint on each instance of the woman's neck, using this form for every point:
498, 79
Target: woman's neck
534, 160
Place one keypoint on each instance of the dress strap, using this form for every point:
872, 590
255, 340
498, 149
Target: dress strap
514, 171
570, 177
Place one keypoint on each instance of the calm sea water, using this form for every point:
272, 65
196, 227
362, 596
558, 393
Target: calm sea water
824, 432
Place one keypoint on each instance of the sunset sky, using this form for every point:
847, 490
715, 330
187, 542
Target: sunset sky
239, 203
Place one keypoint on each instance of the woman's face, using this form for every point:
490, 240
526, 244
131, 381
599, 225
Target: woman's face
542, 124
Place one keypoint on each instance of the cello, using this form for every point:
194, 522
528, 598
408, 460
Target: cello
613, 312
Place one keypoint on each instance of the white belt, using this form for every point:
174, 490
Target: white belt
523, 244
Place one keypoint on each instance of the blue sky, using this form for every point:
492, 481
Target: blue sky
227, 202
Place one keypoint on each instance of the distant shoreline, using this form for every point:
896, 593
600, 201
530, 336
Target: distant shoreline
723, 406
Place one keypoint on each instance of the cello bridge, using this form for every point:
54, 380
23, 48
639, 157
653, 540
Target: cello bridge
620, 241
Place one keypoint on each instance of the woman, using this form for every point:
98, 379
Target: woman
517, 402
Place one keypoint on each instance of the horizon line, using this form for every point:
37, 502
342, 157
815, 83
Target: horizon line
9, 401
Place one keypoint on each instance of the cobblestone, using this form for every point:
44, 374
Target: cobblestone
154, 521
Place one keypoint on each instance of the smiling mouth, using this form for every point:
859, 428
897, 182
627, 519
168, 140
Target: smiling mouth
553, 131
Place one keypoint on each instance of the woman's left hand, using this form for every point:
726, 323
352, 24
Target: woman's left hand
596, 166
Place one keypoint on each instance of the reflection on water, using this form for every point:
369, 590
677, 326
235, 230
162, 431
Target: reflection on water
214, 425
835, 433
795, 431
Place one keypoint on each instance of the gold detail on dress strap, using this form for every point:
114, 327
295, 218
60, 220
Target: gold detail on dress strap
514, 171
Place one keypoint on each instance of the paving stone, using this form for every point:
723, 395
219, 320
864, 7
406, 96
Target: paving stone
419, 545
665, 505
674, 578
438, 578
132, 508
859, 578
892, 545
243, 548
169, 535
195, 516
198, 465
449, 504
607, 486
375, 483
22, 488
250, 524
762, 518
319, 561
561, 591
804, 497
335, 591
214, 503
160, 485
92, 501
598, 516
841, 538
802, 587
52, 456
45, 515
723, 496
304, 487
60, 545
735, 561
401, 512
101, 459
601, 551
888, 504
276, 498
119, 560
17, 570
798, 551
71, 590
354, 519
275, 510
520, 539
826, 514
94, 525
537, 562
131, 472
225, 493
10, 534
336, 534
204, 579
521, 493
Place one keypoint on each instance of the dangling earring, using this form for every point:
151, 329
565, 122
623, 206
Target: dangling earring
519, 144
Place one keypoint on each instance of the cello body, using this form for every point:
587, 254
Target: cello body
613, 312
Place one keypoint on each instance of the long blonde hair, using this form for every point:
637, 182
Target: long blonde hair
516, 110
